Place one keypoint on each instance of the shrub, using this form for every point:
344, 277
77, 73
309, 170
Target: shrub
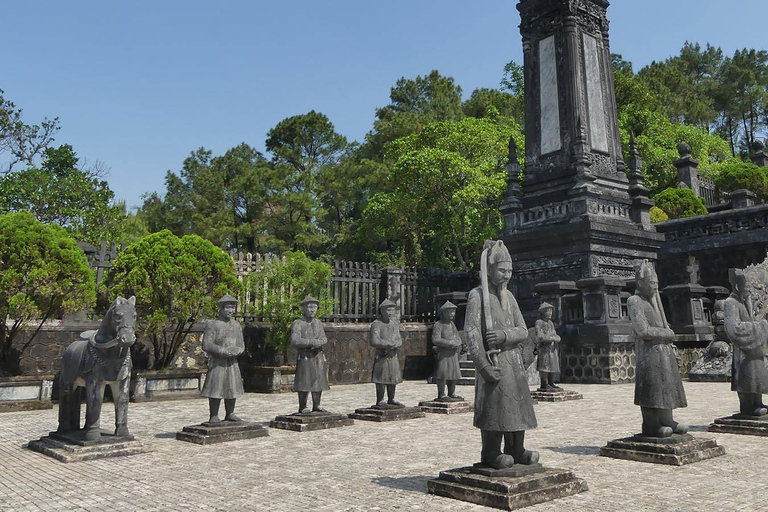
735, 174
278, 288
43, 274
176, 282
658, 215
680, 202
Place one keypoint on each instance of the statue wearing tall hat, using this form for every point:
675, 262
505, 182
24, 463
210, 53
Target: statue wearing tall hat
223, 342
495, 333
658, 386
384, 336
749, 334
447, 344
308, 336
547, 345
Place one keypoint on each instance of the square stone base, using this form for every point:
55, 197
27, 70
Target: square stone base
741, 424
72, 446
314, 421
506, 492
555, 396
676, 450
390, 414
212, 433
439, 407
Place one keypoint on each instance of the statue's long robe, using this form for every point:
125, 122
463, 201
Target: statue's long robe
749, 338
223, 379
309, 338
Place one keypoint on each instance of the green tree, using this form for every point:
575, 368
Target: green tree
21, 143
735, 174
680, 202
176, 281
278, 288
60, 193
43, 274
446, 186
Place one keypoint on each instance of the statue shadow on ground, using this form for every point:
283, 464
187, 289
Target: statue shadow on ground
166, 435
698, 428
405, 483
576, 450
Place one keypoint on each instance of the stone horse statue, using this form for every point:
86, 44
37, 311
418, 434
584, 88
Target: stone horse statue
99, 358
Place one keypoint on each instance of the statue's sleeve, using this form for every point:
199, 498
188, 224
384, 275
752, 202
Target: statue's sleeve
640, 322
239, 347
473, 328
322, 339
437, 336
296, 339
398, 341
545, 333
374, 336
745, 334
519, 332
209, 340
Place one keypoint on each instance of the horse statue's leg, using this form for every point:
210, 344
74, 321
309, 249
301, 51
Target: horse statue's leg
94, 390
69, 395
120, 396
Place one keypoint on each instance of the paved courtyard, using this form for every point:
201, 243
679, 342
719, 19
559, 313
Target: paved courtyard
376, 466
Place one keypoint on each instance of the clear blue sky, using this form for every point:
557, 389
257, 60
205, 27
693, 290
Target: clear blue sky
140, 84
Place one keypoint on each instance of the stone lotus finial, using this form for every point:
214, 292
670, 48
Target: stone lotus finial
684, 149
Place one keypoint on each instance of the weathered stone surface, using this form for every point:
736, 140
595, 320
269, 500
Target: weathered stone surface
437, 407
506, 493
212, 433
171, 384
712, 368
556, 396
72, 447
676, 450
308, 422
392, 414
741, 424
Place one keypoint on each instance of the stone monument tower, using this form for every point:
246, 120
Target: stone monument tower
581, 216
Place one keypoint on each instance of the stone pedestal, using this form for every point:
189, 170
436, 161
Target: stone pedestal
676, 450
741, 424
389, 414
314, 421
72, 446
509, 489
212, 433
562, 395
439, 407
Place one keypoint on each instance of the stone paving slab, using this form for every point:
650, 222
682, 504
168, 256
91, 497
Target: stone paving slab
376, 466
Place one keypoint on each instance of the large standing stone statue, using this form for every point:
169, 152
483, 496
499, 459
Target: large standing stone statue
385, 337
547, 342
223, 342
658, 386
308, 336
447, 344
495, 331
749, 335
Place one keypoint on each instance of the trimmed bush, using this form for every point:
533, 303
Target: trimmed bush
680, 202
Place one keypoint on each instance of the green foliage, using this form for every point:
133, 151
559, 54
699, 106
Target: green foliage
21, 143
445, 189
278, 288
658, 215
176, 281
735, 174
43, 274
680, 202
60, 193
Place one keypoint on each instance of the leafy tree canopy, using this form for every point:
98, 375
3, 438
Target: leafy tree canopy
21, 143
43, 275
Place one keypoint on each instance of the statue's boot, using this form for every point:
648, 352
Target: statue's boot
319, 409
491, 454
502, 461
456, 398
395, 403
229, 407
214, 419
93, 434
316, 397
381, 404
122, 431
232, 417
452, 392
305, 410
517, 448
665, 418
551, 383
652, 425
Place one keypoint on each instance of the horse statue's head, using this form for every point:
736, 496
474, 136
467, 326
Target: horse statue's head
117, 327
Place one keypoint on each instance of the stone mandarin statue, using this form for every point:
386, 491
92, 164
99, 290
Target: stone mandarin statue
447, 344
547, 343
385, 337
749, 335
223, 342
495, 331
658, 386
308, 336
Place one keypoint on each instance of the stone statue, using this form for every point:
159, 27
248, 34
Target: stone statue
223, 342
99, 358
447, 344
749, 335
658, 386
547, 342
385, 337
495, 331
308, 336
